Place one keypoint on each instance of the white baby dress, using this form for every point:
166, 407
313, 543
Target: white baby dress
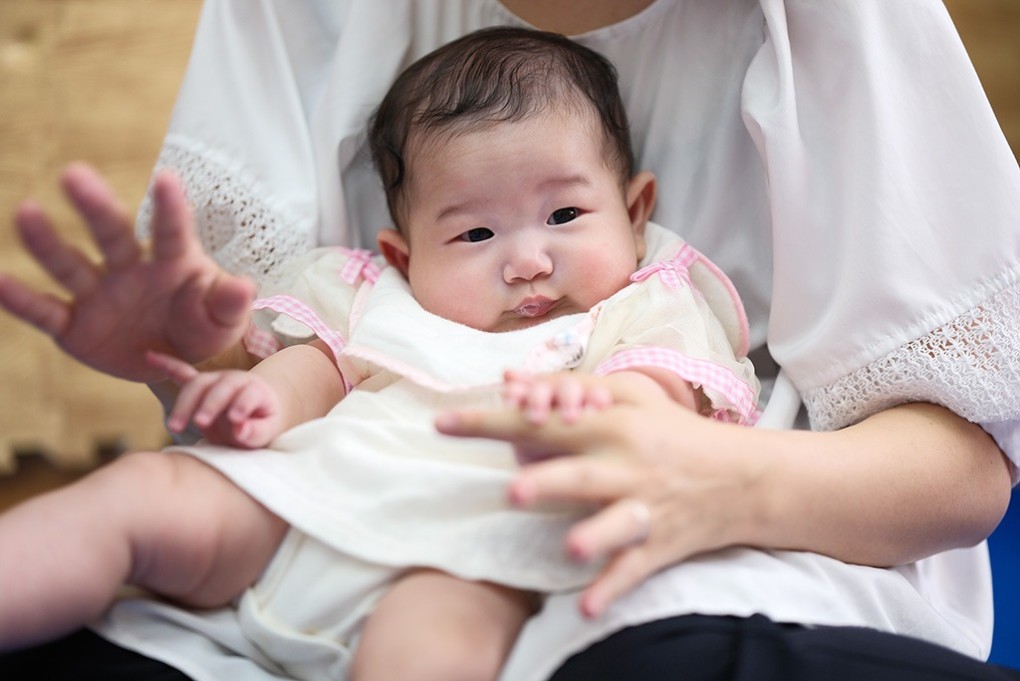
372, 488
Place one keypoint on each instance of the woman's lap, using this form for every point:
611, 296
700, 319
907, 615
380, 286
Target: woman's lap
702, 648
83, 656
736, 649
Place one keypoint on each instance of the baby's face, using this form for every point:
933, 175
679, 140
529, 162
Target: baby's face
518, 223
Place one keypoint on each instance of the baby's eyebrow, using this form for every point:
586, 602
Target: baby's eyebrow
455, 209
577, 179
544, 185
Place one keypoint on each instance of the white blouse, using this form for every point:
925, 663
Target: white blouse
838, 160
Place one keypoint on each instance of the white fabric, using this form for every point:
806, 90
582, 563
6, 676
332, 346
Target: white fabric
838, 160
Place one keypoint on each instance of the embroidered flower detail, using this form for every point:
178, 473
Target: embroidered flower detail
566, 349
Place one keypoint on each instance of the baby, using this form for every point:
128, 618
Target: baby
523, 270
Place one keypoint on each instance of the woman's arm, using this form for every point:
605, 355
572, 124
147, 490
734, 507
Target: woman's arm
906, 483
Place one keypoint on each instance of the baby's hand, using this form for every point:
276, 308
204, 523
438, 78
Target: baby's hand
569, 394
230, 407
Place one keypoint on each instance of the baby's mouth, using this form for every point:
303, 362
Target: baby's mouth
534, 307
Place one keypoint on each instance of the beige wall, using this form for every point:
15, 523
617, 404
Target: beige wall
95, 79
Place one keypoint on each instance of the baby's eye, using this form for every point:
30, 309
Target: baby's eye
562, 215
477, 234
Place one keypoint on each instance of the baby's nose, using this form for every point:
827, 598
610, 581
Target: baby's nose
528, 262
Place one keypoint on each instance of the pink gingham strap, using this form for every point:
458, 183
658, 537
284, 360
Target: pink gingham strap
699, 372
674, 272
260, 343
295, 309
359, 264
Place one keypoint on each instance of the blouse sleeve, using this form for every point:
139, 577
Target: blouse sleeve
256, 133
895, 203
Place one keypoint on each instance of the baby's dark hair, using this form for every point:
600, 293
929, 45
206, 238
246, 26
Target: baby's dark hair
495, 75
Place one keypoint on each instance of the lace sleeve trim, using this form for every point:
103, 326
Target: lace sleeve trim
970, 365
237, 224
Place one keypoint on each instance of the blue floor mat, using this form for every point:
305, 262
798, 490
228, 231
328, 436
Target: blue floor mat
1004, 545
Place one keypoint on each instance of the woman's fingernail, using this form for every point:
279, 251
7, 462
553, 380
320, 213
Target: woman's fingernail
447, 422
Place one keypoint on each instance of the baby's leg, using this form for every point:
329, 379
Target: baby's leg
164, 522
432, 626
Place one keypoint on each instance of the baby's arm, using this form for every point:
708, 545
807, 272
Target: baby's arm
251, 408
571, 393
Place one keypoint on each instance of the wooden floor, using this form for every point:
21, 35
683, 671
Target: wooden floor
95, 80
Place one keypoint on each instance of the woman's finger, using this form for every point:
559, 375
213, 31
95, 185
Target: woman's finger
109, 222
573, 478
510, 425
172, 225
621, 525
624, 571
228, 301
64, 263
43, 311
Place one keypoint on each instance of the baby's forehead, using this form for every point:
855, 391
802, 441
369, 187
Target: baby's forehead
423, 142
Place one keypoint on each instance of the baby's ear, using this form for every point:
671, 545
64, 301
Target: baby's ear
640, 197
394, 248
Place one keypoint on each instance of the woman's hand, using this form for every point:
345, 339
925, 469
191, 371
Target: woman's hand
666, 492
173, 298
901, 485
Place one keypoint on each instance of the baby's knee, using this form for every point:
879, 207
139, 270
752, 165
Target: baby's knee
452, 657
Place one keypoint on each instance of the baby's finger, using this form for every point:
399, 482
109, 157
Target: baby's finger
218, 398
248, 401
515, 390
64, 263
178, 371
538, 402
253, 433
43, 311
569, 399
188, 401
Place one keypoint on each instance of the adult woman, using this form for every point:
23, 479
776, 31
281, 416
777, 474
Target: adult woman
857, 142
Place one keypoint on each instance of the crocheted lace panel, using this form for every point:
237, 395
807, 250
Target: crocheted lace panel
235, 223
970, 365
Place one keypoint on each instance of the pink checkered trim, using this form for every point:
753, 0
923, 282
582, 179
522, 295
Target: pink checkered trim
295, 309
697, 371
260, 343
674, 272
359, 263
